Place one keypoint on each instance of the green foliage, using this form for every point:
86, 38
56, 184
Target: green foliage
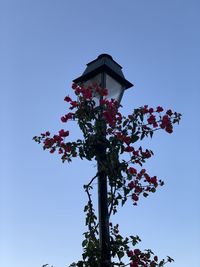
109, 138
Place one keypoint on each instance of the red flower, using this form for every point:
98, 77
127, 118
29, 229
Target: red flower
63, 119
63, 133
143, 171
131, 185
129, 149
169, 129
52, 150
136, 251
48, 142
159, 109
132, 171
162, 126
134, 264
146, 154
153, 180
147, 177
155, 258
74, 86
57, 138
67, 99
145, 109
151, 110
102, 102
169, 112
165, 120
127, 140
105, 92
135, 197
130, 253
151, 119
78, 90
67, 117
109, 118
68, 149
87, 93
73, 104
60, 151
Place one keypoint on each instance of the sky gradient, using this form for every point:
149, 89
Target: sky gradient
44, 46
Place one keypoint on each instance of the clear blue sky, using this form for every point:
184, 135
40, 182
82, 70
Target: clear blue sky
45, 45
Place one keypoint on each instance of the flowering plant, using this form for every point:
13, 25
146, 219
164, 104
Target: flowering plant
104, 126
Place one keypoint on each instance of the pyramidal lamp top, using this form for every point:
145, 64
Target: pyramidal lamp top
107, 73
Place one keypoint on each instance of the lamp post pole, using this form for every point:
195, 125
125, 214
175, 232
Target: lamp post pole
108, 74
104, 234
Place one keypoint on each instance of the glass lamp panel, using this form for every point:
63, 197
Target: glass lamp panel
115, 89
96, 80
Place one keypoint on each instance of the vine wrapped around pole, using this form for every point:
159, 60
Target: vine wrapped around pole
120, 169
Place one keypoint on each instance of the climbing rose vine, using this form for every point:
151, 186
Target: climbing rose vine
127, 178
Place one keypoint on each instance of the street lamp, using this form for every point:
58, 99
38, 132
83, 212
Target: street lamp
106, 73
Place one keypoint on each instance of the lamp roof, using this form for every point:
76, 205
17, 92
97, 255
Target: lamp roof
104, 63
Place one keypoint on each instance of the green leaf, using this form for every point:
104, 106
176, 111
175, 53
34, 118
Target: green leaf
120, 254
84, 243
141, 117
124, 201
134, 138
85, 208
142, 135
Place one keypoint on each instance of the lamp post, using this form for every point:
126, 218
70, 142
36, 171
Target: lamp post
106, 73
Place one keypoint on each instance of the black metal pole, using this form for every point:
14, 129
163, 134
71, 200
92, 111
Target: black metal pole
104, 234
